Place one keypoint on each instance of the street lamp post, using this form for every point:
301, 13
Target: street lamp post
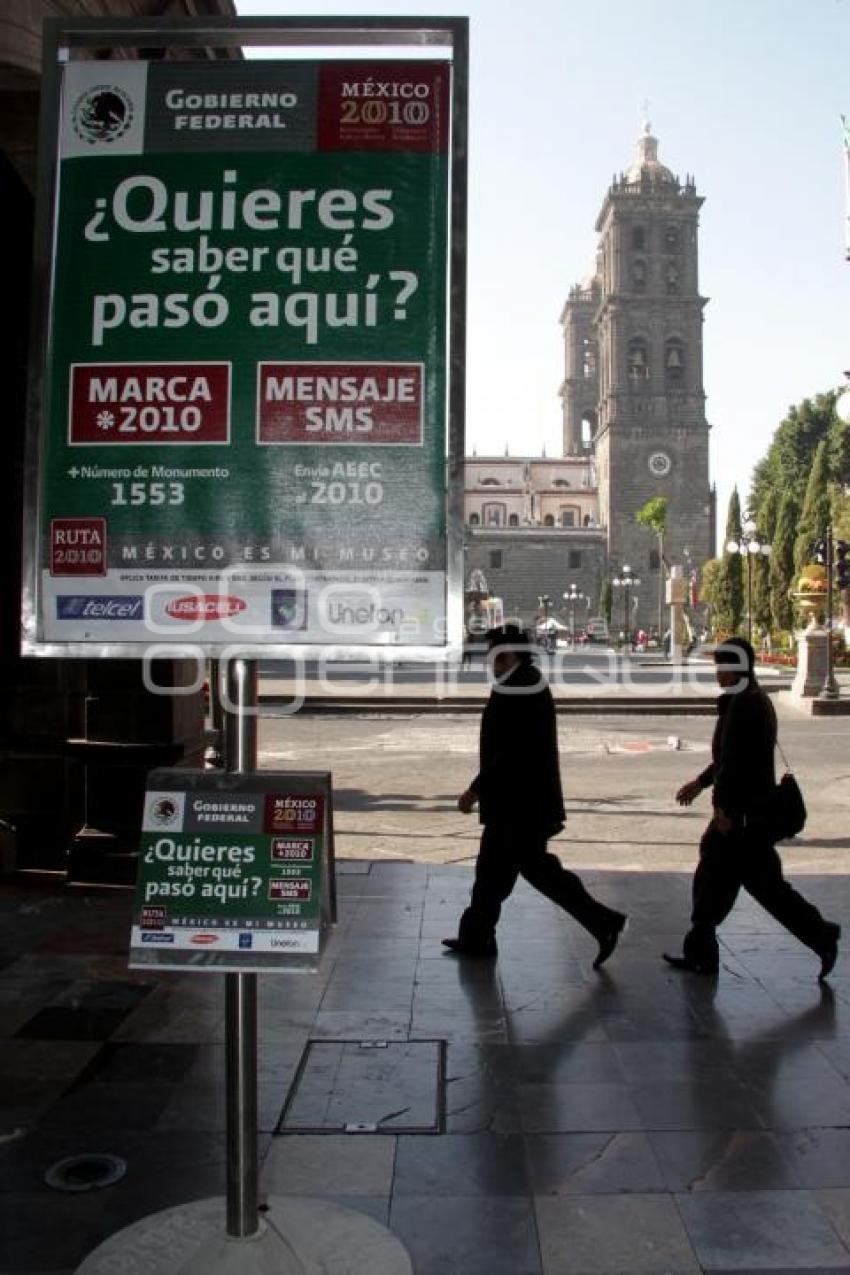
826, 549
749, 545
571, 597
626, 580
544, 602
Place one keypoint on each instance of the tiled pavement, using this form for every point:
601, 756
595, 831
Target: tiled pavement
632, 1121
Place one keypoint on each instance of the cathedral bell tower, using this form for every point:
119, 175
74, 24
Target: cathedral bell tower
645, 346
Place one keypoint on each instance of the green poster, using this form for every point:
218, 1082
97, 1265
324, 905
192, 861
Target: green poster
245, 400
234, 870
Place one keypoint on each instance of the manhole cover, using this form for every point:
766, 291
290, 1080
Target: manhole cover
85, 1172
367, 1086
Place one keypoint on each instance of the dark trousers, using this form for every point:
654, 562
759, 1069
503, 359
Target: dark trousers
504, 855
726, 863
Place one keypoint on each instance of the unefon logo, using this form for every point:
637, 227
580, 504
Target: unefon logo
209, 606
102, 114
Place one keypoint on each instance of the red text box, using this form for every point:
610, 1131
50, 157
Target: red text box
384, 106
290, 888
294, 812
137, 403
78, 546
360, 403
292, 849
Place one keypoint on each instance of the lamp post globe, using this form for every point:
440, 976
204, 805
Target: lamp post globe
626, 581
571, 597
842, 406
750, 545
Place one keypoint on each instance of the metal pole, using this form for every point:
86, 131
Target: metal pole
749, 594
240, 1000
829, 690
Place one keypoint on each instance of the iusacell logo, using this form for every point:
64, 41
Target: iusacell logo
207, 606
81, 606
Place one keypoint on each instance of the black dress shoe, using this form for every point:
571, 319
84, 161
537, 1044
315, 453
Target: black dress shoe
829, 952
468, 949
693, 967
608, 940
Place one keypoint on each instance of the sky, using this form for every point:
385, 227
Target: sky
747, 96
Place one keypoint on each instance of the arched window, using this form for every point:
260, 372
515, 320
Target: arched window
560, 482
474, 520
638, 238
588, 427
549, 521
671, 279
586, 522
672, 239
638, 360
674, 360
639, 274
513, 520
490, 482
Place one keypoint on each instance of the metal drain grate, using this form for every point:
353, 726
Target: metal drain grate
368, 1086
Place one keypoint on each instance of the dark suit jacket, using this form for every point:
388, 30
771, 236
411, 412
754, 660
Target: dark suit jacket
519, 782
742, 767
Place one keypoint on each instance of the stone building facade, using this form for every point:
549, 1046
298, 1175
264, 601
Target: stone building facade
633, 408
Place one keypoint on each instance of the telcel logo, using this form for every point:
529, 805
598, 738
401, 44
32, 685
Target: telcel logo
80, 606
207, 606
203, 940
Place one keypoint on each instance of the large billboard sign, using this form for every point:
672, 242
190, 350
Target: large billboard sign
243, 431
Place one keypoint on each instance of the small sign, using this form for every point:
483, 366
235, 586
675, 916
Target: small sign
234, 871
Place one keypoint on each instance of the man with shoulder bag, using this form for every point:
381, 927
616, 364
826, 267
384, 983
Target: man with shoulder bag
738, 846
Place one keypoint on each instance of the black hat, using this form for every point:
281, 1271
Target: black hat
506, 635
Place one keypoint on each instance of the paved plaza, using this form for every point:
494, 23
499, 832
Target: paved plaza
524, 1116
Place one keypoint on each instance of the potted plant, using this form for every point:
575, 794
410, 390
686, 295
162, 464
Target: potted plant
810, 593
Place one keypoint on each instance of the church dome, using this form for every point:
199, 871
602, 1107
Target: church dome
647, 163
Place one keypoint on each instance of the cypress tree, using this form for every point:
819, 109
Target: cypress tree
606, 600
766, 524
781, 571
728, 582
815, 513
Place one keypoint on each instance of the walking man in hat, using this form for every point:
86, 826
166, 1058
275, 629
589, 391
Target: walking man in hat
520, 803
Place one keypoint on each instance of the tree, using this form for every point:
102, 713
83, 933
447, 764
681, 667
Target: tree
606, 600
781, 572
728, 581
789, 458
760, 566
815, 514
708, 580
653, 516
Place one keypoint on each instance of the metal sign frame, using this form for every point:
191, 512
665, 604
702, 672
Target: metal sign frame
62, 39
